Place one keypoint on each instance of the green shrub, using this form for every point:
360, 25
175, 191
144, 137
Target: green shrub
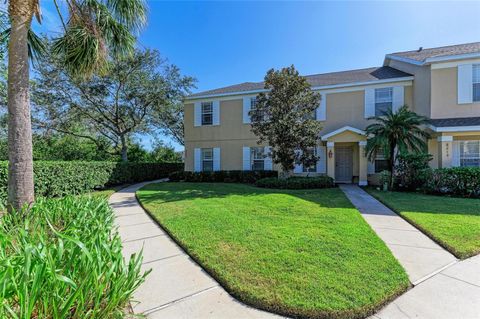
459, 181
296, 182
54, 179
63, 259
221, 176
410, 171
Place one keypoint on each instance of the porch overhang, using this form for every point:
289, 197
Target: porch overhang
345, 134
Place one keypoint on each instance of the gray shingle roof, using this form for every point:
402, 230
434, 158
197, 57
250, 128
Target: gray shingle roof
424, 54
344, 77
460, 121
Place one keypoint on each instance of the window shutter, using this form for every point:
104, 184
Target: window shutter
398, 97
246, 159
216, 158
268, 165
322, 159
370, 167
369, 103
322, 109
456, 154
216, 113
197, 159
298, 167
246, 110
465, 89
197, 116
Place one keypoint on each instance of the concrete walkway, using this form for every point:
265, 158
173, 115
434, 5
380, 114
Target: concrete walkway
418, 254
177, 287
444, 287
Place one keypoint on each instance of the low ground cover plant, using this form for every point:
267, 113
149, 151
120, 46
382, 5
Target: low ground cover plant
221, 176
60, 178
301, 253
63, 259
453, 222
296, 182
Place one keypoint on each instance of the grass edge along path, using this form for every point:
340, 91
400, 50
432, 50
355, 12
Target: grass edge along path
269, 268
445, 228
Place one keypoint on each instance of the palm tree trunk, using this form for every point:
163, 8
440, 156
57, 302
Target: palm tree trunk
20, 172
392, 165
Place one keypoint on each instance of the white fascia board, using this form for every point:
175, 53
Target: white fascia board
341, 130
453, 57
315, 88
455, 128
402, 59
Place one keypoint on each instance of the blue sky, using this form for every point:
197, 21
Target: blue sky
224, 43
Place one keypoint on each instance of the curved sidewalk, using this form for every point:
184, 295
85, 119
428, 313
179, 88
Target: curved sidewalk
177, 287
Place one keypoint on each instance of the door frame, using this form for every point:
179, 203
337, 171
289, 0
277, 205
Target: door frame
350, 148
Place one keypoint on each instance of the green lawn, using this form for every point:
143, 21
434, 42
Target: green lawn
301, 253
452, 222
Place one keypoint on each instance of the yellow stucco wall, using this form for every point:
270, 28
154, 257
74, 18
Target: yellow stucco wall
444, 96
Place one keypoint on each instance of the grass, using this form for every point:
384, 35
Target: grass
304, 253
63, 259
453, 222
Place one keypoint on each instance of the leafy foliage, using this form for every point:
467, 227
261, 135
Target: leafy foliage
127, 99
410, 170
296, 182
221, 176
283, 119
396, 132
63, 259
459, 181
55, 179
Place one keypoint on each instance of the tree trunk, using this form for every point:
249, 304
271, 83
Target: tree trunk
392, 165
20, 172
124, 149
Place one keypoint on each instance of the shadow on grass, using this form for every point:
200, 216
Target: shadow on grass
173, 192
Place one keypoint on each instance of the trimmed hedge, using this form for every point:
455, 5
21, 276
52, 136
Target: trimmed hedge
249, 177
296, 182
56, 178
459, 181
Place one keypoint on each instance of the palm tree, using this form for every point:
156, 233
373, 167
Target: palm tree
92, 30
396, 133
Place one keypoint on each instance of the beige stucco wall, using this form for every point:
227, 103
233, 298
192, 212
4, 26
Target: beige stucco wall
420, 102
444, 96
343, 109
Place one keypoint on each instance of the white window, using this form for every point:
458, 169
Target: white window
383, 100
254, 113
257, 158
381, 164
470, 153
310, 168
207, 159
476, 82
207, 113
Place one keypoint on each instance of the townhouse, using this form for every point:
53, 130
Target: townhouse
442, 84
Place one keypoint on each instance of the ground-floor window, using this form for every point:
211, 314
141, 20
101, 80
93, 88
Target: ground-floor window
470, 153
313, 167
257, 155
207, 159
381, 164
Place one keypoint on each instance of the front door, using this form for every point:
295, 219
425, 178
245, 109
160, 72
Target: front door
343, 164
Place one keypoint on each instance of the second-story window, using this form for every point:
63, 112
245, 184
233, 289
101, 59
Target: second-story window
383, 100
257, 158
207, 113
476, 82
255, 113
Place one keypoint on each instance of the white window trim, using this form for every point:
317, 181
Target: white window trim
461, 155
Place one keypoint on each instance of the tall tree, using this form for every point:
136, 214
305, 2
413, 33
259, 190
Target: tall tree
396, 133
93, 30
283, 117
125, 99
